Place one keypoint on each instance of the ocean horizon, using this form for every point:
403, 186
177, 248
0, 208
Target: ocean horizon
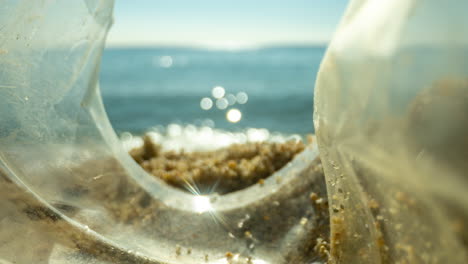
269, 88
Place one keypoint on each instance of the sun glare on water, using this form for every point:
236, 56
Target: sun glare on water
234, 115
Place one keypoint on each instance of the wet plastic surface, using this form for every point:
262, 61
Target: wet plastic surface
391, 121
69, 192
391, 108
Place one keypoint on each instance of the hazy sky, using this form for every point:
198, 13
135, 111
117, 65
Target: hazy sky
224, 23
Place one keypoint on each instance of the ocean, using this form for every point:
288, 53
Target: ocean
152, 89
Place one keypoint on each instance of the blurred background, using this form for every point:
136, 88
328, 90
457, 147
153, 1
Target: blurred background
227, 65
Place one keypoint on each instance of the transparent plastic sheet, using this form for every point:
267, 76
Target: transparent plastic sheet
391, 117
69, 193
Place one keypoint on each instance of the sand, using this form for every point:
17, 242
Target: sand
127, 205
226, 170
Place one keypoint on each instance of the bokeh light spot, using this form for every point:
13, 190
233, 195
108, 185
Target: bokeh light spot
257, 135
206, 103
166, 61
222, 103
218, 92
234, 115
231, 99
242, 98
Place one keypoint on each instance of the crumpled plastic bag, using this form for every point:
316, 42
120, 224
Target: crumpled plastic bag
391, 117
391, 109
69, 192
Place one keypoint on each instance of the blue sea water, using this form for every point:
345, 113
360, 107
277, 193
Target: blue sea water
147, 87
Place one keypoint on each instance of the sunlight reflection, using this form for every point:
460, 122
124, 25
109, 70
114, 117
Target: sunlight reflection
234, 115
222, 103
256, 135
165, 61
231, 99
202, 204
242, 98
174, 130
206, 103
218, 92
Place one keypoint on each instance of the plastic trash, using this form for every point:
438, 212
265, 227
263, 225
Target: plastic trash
391, 117
391, 109
69, 192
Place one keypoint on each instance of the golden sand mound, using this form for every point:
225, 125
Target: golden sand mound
224, 170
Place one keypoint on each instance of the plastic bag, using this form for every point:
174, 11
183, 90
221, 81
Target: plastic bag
391, 117
69, 192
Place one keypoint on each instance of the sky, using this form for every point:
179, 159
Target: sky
224, 23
